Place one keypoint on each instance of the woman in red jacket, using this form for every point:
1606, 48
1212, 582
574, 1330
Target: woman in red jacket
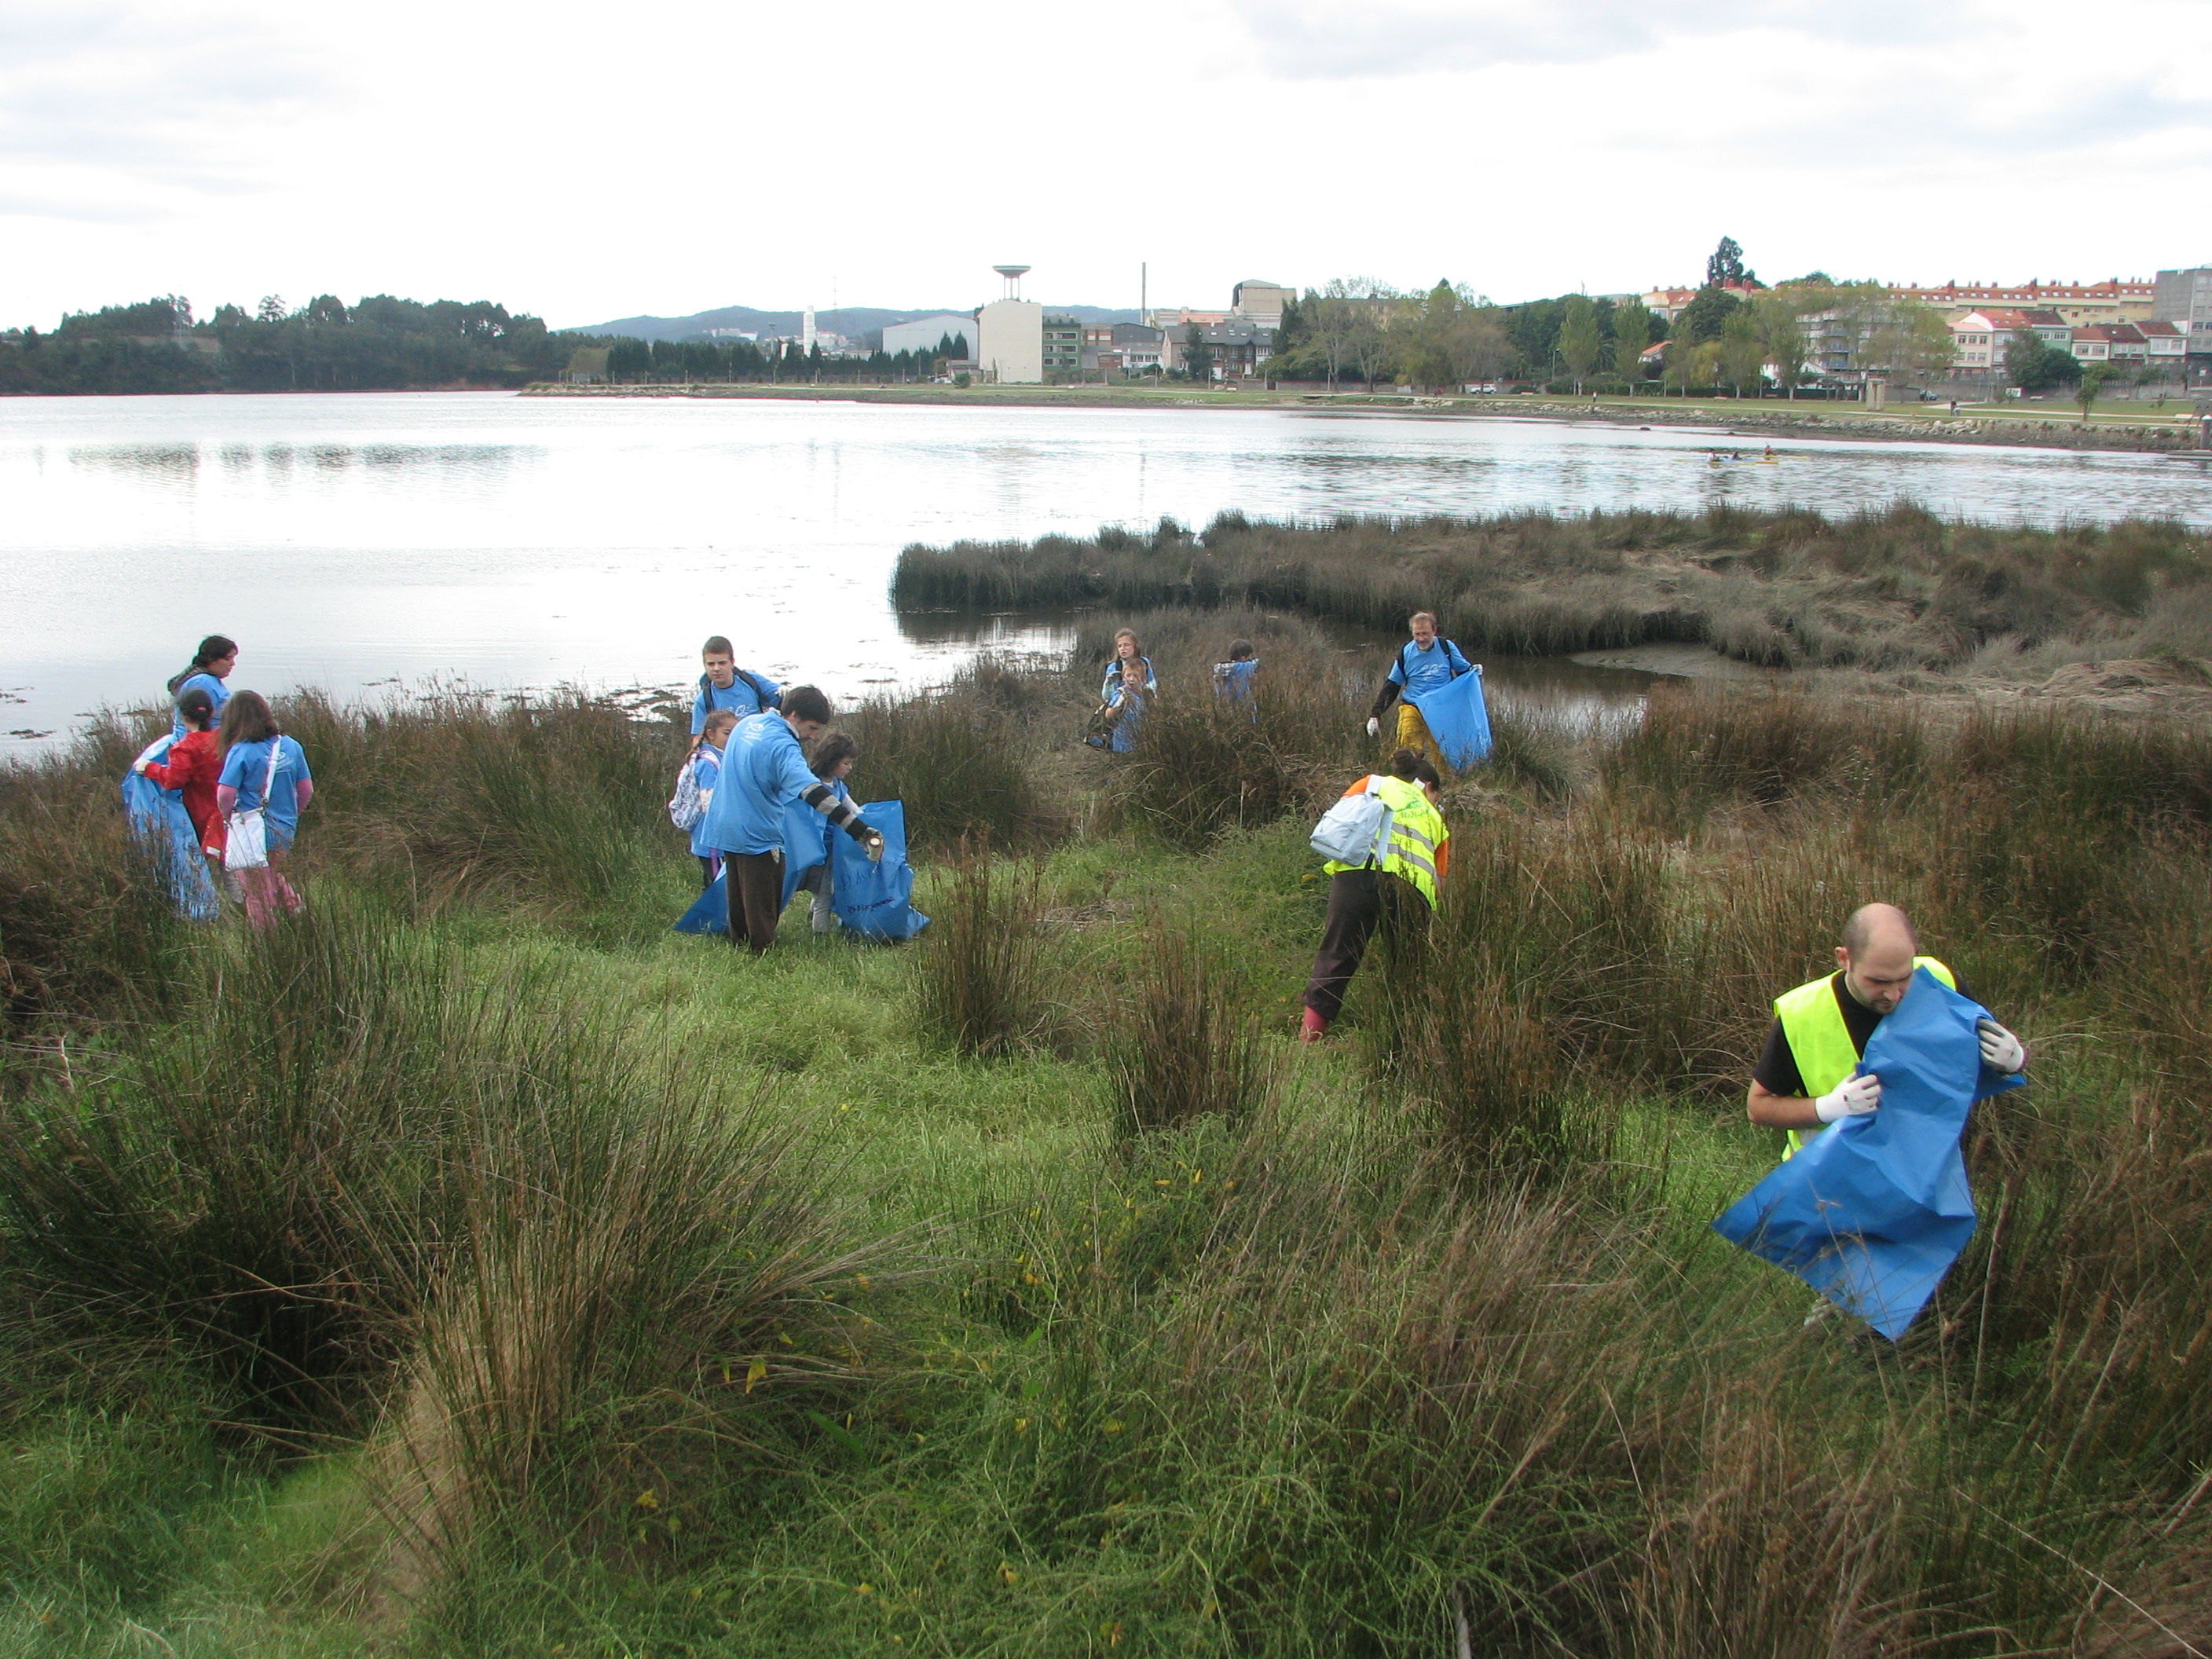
194, 763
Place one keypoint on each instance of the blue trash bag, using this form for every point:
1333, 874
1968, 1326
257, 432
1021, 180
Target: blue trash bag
875, 899
804, 847
1875, 1210
1459, 720
157, 818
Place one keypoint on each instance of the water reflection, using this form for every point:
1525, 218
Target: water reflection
161, 464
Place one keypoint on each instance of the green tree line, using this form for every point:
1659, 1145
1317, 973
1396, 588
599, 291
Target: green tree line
1737, 334
382, 343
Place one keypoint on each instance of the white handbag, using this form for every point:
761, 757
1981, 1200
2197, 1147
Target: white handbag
245, 845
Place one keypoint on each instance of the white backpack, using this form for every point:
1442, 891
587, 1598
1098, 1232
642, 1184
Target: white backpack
1356, 829
688, 804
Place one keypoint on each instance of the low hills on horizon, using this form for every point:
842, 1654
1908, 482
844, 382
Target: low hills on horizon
854, 322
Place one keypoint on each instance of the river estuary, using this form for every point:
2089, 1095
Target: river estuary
358, 542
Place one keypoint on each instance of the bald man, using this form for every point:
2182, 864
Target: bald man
1803, 1081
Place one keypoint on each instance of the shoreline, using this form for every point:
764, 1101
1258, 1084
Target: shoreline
2157, 434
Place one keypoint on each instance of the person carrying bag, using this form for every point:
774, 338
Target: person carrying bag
246, 846
265, 784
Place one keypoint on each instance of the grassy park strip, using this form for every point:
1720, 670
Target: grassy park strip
476, 1267
2159, 426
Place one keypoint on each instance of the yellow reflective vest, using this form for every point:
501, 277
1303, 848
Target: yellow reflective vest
1820, 1042
1416, 849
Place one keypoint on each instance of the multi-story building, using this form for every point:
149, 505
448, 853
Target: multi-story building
1130, 346
1260, 303
2109, 301
1063, 345
1236, 350
1980, 339
2093, 342
2165, 345
2183, 298
2052, 328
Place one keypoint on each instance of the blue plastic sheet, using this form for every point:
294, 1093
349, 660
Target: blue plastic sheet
1458, 719
869, 898
157, 818
875, 900
1875, 1211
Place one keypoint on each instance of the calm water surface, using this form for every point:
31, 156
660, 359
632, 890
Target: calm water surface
355, 541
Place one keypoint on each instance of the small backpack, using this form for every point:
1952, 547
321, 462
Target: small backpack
1354, 830
685, 808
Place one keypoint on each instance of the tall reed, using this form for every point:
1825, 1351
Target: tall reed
978, 983
1184, 1045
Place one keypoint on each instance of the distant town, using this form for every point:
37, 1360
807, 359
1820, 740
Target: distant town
1813, 336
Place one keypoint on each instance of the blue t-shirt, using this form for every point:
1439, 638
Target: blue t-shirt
1132, 708
741, 697
244, 765
1114, 678
1234, 680
763, 767
207, 682
706, 769
1421, 672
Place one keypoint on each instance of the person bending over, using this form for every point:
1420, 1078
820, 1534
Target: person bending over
763, 768
1394, 888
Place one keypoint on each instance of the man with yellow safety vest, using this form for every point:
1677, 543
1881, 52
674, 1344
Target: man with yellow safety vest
1805, 1079
1394, 887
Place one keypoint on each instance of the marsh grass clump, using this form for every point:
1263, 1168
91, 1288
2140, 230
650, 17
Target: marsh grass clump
1893, 589
465, 795
1696, 746
85, 923
979, 979
1184, 1045
364, 1189
964, 758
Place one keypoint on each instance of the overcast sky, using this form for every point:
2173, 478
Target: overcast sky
666, 157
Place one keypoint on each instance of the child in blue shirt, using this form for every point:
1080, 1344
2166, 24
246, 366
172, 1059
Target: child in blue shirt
264, 771
725, 685
1126, 698
1237, 681
210, 666
1128, 649
706, 764
833, 763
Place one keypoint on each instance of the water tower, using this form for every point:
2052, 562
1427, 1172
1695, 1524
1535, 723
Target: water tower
1011, 278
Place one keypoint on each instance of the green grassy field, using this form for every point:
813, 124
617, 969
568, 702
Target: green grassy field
475, 1267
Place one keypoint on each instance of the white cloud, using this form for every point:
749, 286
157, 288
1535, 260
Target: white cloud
120, 112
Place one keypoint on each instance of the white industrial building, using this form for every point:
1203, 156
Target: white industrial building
924, 333
1010, 344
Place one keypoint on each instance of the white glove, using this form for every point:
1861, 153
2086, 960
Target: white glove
2001, 1050
140, 766
1374, 726
1854, 1098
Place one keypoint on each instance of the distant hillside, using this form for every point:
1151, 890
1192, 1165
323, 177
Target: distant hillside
856, 322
